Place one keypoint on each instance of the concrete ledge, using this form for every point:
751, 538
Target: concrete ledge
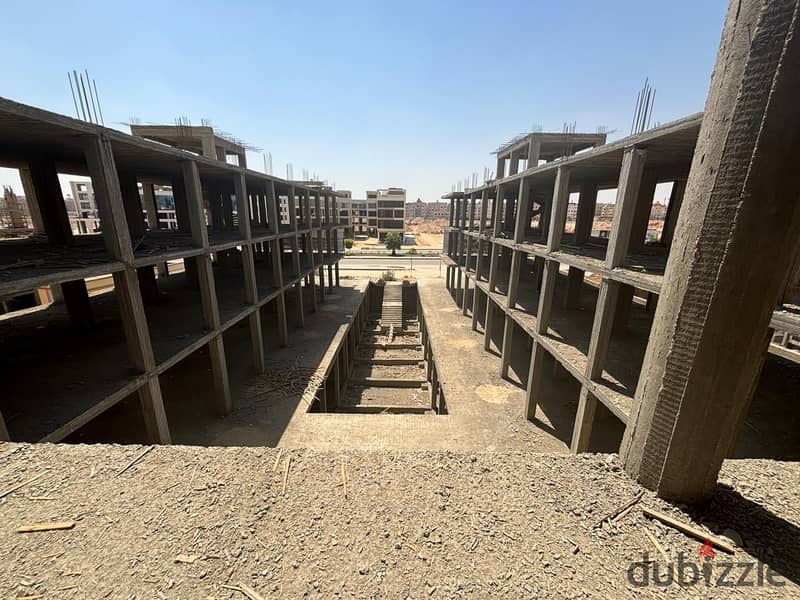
388, 361
393, 383
393, 346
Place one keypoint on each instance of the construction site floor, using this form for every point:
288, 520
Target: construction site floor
184, 522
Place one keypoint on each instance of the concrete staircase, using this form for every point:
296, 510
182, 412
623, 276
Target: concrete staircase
392, 308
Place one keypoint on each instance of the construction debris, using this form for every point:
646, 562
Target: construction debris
618, 512
246, 590
50, 526
658, 546
186, 558
286, 474
689, 530
139, 457
14, 488
345, 478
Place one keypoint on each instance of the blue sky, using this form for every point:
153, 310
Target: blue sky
368, 94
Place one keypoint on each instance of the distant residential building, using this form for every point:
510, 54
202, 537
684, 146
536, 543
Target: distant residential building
82, 209
391, 208
165, 207
427, 210
381, 212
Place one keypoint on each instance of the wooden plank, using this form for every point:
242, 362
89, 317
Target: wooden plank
691, 530
22, 484
49, 526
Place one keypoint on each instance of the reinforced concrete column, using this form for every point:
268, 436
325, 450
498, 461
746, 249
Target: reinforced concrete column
587, 203
475, 303
55, 223
208, 294
465, 296
534, 150
641, 213
517, 257
734, 241
673, 210
459, 289
574, 287
280, 301
538, 353
505, 355
536, 370
488, 323
497, 212
108, 195
30, 199
313, 289
630, 178
558, 213
602, 327
249, 270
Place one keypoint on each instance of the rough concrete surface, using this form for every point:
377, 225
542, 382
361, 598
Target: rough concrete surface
183, 522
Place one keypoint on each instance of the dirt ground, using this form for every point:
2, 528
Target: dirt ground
185, 522
429, 235
466, 505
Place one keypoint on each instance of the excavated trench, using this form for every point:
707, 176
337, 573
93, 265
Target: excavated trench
383, 363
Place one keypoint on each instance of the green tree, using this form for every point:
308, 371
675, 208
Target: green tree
348, 243
393, 242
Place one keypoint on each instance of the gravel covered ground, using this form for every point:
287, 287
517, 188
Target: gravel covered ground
183, 522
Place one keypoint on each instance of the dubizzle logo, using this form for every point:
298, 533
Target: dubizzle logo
707, 550
687, 573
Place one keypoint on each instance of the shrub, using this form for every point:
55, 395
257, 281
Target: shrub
388, 276
348, 243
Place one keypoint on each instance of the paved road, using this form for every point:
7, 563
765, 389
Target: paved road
379, 263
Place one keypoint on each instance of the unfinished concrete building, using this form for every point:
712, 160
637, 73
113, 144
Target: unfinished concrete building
198, 139
231, 261
572, 314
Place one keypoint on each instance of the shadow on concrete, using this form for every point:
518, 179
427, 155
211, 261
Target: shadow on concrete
773, 420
